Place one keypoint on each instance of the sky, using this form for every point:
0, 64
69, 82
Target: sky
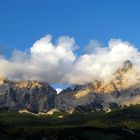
22, 22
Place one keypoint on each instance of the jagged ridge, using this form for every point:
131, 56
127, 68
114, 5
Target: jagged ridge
36, 96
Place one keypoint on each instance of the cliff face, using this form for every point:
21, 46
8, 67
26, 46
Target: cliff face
33, 95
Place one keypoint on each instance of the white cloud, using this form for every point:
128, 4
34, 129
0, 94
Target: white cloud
57, 62
102, 64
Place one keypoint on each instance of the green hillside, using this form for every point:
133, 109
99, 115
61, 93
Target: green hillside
118, 124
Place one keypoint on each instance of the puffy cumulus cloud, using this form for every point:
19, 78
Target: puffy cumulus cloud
57, 62
102, 64
44, 61
93, 46
51, 62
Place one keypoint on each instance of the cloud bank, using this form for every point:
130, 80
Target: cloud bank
58, 63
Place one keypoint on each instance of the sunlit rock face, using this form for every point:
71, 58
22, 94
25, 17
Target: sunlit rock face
34, 95
124, 78
30, 84
1, 81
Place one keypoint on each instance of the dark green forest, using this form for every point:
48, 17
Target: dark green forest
123, 123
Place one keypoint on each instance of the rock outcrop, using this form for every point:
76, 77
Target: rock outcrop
33, 95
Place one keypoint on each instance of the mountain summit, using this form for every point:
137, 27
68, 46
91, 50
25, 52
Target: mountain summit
34, 95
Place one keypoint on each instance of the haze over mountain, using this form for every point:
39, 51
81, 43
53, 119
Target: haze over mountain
123, 88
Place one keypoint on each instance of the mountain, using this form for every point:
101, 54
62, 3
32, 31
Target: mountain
33, 95
123, 88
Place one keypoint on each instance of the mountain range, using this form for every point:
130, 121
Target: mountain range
123, 88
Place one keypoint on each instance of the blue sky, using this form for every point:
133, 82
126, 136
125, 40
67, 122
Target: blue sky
22, 22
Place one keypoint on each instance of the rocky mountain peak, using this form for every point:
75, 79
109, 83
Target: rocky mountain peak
31, 84
120, 80
34, 95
